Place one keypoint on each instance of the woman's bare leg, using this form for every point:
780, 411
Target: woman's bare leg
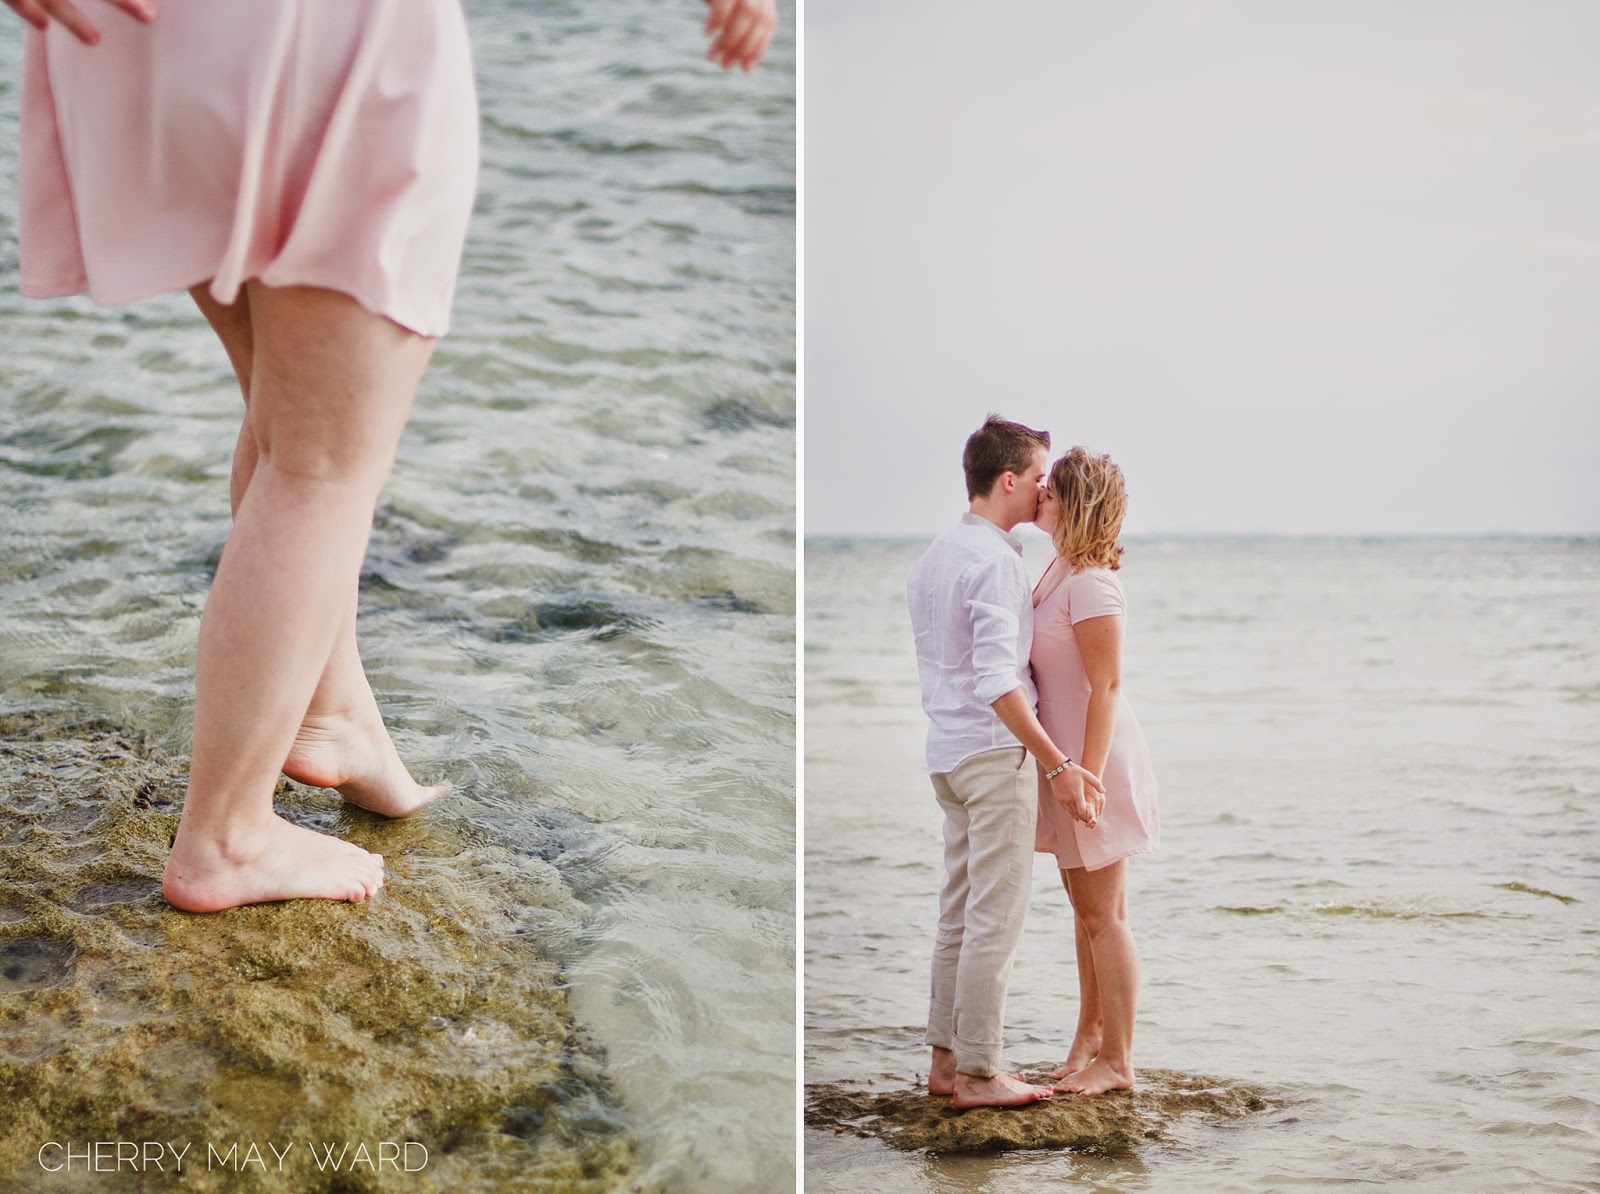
1100, 901
330, 388
1091, 1027
342, 742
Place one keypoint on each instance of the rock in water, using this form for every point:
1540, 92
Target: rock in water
424, 1015
1117, 1122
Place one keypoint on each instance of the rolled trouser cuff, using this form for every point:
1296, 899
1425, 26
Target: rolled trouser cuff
941, 1026
977, 1060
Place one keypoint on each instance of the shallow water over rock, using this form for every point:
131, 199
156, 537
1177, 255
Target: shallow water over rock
30, 962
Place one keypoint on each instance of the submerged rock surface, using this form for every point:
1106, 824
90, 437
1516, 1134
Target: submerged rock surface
428, 1014
1113, 1123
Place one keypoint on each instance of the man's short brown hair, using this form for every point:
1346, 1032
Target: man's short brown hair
999, 446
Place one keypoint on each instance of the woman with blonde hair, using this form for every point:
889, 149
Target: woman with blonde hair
1079, 611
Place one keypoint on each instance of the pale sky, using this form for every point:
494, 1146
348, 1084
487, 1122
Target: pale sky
1300, 266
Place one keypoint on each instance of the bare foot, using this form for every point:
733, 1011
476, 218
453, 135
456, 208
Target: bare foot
942, 1073
1083, 1051
1095, 1078
278, 861
949, 1088
354, 755
1002, 1090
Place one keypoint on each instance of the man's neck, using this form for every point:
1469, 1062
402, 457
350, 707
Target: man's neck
990, 512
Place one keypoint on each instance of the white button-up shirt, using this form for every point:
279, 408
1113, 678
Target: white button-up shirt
972, 612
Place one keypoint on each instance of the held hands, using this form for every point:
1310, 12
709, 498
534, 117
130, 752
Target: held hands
740, 30
39, 13
1080, 793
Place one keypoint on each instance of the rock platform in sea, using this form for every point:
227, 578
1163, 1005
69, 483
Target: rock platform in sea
1117, 1122
423, 1016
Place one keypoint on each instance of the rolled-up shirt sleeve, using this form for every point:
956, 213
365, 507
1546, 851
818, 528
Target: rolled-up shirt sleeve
996, 590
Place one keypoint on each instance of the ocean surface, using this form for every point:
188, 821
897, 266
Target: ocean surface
578, 605
1378, 892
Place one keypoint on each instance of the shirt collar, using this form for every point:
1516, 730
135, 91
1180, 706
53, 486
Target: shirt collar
979, 520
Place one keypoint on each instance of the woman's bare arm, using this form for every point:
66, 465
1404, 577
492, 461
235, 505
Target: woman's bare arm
1100, 645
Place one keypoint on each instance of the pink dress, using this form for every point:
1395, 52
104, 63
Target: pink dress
323, 143
1129, 824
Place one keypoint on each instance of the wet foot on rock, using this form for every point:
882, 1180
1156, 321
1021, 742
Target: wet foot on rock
942, 1073
1095, 1078
1080, 1055
1000, 1090
937, 1086
276, 861
355, 756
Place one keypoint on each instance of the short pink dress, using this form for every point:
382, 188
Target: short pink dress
327, 143
1128, 824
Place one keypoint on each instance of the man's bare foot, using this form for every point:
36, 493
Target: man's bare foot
942, 1073
354, 755
1095, 1078
1083, 1051
276, 861
942, 1088
1002, 1090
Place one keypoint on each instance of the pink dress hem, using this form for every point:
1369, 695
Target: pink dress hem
328, 145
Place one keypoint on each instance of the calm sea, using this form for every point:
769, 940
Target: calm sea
1379, 886
579, 598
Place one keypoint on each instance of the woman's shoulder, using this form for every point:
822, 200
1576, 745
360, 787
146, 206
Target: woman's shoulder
1094, 592
1095, 576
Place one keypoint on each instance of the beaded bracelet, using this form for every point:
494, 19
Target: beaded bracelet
1065, 763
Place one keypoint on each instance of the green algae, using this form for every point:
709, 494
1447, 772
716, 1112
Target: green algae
1538, 891
429, 1014
1379, 912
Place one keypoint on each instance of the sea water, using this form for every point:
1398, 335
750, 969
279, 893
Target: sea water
1378, 890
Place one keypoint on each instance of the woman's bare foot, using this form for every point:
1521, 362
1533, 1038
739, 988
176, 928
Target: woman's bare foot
1095, 1078
354, 755
274, 861
1083, 1051
1002, 1090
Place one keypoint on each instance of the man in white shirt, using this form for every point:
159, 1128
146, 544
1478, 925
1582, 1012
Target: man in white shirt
972, 612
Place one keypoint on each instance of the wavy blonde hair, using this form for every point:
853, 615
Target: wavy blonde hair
1093, 503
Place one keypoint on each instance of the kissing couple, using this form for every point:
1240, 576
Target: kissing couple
1031, 746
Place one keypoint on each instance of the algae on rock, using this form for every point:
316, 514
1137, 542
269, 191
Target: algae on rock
426, 1014
1114, 1123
